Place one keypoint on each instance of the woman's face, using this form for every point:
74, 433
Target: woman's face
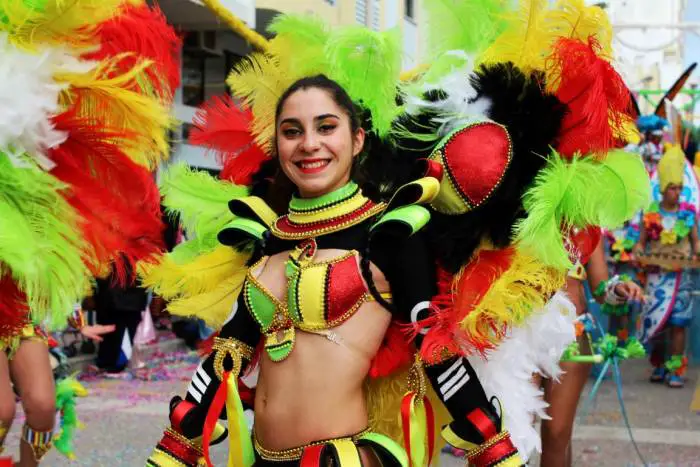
315, 142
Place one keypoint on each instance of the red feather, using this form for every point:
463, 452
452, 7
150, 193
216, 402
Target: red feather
394, 354
14, 313
455, 301
598, 100
142, 32
224, 128
117, 199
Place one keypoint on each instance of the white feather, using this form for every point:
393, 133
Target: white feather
461, 105
508, 371
29, 97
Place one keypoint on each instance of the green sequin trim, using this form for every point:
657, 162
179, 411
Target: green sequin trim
312, 204
279, 352
261, 307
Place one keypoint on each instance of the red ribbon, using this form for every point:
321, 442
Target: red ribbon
178, 449
483, 424
406, 404
406, 422
431, 428
496, 453
312, 456
181, 409
215, 409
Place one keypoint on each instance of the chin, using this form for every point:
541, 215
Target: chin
313, 190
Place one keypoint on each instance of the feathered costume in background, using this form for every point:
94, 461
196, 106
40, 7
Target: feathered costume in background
509, 137
85, 92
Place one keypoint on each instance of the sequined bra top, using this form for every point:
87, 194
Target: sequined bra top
320, 294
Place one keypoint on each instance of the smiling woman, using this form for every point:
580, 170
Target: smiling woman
318, 135
374, 253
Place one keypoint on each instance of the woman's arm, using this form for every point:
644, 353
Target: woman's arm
694, 241
411, 272
616, 290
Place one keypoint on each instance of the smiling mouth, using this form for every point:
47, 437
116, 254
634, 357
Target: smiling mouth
309, 166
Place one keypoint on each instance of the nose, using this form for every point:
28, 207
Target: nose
311, 142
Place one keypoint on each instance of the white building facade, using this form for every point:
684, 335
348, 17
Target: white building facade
648, 55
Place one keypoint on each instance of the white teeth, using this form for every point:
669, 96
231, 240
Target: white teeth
313, 165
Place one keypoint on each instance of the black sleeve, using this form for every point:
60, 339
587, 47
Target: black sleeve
411, 272
204, 384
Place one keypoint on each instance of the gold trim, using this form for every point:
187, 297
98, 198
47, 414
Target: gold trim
233, 348
341, 208
294, 454
182, 439
376, 209
487, 445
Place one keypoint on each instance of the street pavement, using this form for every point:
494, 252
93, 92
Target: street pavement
124, 419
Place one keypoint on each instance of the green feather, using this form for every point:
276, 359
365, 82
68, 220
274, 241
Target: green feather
579, 193
40, 241
367, 64
469, 26
300, 42
200, 199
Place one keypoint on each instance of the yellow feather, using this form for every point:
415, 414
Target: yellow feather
260, 82
57, 21
112, 101
572, 19
201, 275
211, 307
524, 40
524, 288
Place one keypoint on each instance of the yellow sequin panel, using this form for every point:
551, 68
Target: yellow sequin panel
311, 296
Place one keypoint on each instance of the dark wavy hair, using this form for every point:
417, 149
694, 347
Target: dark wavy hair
374, 168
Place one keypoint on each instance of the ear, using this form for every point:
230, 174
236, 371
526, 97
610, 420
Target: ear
358, 141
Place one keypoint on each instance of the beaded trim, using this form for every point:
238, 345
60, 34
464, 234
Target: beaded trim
39, 441
285, 229
232, 348
451, 177
294, 454
476, 452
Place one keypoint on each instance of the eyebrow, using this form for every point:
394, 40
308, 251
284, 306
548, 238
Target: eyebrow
320, 117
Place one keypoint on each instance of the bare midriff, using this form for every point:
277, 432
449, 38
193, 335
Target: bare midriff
316, 393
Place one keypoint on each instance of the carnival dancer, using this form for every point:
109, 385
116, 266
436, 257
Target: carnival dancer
670, 231
315, 233
84, 116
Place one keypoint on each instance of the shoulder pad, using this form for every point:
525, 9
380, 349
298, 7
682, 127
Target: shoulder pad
404, 214
253, 218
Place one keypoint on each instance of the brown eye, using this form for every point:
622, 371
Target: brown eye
327, 128
291, 132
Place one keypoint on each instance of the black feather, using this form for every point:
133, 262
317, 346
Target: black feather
533, 119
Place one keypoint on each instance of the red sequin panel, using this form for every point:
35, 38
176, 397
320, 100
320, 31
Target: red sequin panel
344, 289
477, 158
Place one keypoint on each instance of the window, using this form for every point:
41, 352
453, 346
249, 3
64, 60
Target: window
205, 68
376, 15
361, 11
409, 9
